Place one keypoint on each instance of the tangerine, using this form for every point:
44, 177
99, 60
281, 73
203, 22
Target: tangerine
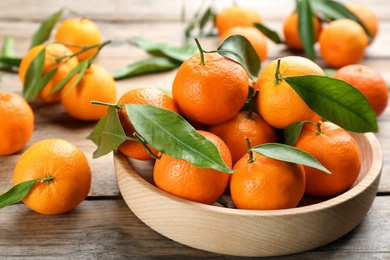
369, 82
185, 180
337, 151
148, 96
210, 90
96, 84
278, 104
342, 42
17, 123
77, 33
366, 15
63, 173
57, 56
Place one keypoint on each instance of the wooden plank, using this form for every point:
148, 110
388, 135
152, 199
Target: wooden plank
100, 229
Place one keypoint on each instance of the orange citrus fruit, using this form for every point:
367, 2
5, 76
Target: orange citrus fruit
369, 82
291, 31
17, 123
56, 57
342, 42
96, 84
266, 183
210, 93
235, 131
148, 96
185, 180
65, 170
77, 33
236, 16
278, 104
366, 15
253, 35
335, 149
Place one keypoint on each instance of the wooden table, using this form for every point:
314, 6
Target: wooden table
102, 226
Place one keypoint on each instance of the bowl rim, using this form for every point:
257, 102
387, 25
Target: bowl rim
373, 173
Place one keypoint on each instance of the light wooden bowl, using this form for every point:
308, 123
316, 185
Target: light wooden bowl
252, 232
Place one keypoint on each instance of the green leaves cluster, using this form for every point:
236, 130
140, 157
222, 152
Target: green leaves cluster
325, 10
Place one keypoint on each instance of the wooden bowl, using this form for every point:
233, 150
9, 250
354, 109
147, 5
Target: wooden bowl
238, 232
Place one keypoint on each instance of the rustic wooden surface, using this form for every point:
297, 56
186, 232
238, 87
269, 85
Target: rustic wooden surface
103, 227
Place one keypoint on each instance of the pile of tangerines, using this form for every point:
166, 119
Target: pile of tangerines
212, 92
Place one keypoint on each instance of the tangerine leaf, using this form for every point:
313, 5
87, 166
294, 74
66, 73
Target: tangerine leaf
16, 193
239, 49
306, 27
334, 10
8, 52
177, 53
270, 34
171, 134
108, 133
292, 132
146, 66
336, 101
10, 62
290, 154
45, 28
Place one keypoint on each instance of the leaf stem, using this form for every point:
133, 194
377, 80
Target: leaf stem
117, 106
278, 75
201, 52
252, 101
143, 142
83, 49
319, 130
250, 152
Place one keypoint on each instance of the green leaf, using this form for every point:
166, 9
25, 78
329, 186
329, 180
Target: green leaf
147, 66
44, 31
306, 28
10, 62
199, 21
290, 154
171, 134
336, 101
178, 53
240, 50
270, 34
108, 133
80, 68
292, 132
16, 193
334, 10
8, 48
34, 80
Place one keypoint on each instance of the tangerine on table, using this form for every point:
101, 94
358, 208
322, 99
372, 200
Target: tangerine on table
342, 42
266, 183
185, 180
235, 131
236, 16
77, 33
210, 93
291, 31
366, 15
56, 57
369, 82
67, 173
148, 96
96, 84
337, 151
278, 104
253, 35
17, 123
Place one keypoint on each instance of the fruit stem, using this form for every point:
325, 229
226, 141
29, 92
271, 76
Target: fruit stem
278, 75
47, 179
143, 142
250, 152
117, 106
319, 130
201, 52
252, 101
